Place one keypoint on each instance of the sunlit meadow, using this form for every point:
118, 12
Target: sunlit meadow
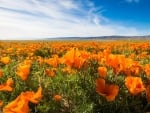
75, 76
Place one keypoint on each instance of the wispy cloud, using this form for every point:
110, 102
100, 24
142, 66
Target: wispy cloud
28, 19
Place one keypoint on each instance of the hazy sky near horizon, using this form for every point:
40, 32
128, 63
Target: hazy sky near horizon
34, 19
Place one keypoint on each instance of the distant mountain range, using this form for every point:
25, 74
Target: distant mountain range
99, 38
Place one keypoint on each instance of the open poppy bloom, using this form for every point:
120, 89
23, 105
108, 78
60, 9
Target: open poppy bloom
70, 56
34, 97
7, 86
134, 85
37, 95
23, 70
107, 90
20, 104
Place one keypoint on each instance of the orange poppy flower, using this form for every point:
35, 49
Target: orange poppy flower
128, 66
102, 71
70, 56
33, 97
50, 72
57, 97
53, 61
20, 104
5, 60
106, 90
73, 58
134, 85
136, 68
148, 93
23, 71
79, 62
7, 86
38, 95
147, 69
1, 73
1, 103
114, 62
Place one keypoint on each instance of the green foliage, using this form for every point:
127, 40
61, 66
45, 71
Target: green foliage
43, 52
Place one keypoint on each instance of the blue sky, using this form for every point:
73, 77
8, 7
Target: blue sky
33, 19
127, 12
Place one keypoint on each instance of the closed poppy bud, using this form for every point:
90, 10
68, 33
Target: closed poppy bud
102, 71
1, 73
148, 93
57, 97
50, 72
147, 69
1, 103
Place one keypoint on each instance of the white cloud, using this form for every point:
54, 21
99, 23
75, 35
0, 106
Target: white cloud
31, 19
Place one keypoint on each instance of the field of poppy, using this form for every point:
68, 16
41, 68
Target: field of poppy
75, 76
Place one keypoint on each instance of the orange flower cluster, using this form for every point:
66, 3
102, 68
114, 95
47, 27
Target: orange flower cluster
130, 60
120, 64
74, 58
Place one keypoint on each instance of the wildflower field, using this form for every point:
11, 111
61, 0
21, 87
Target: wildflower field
75, 76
